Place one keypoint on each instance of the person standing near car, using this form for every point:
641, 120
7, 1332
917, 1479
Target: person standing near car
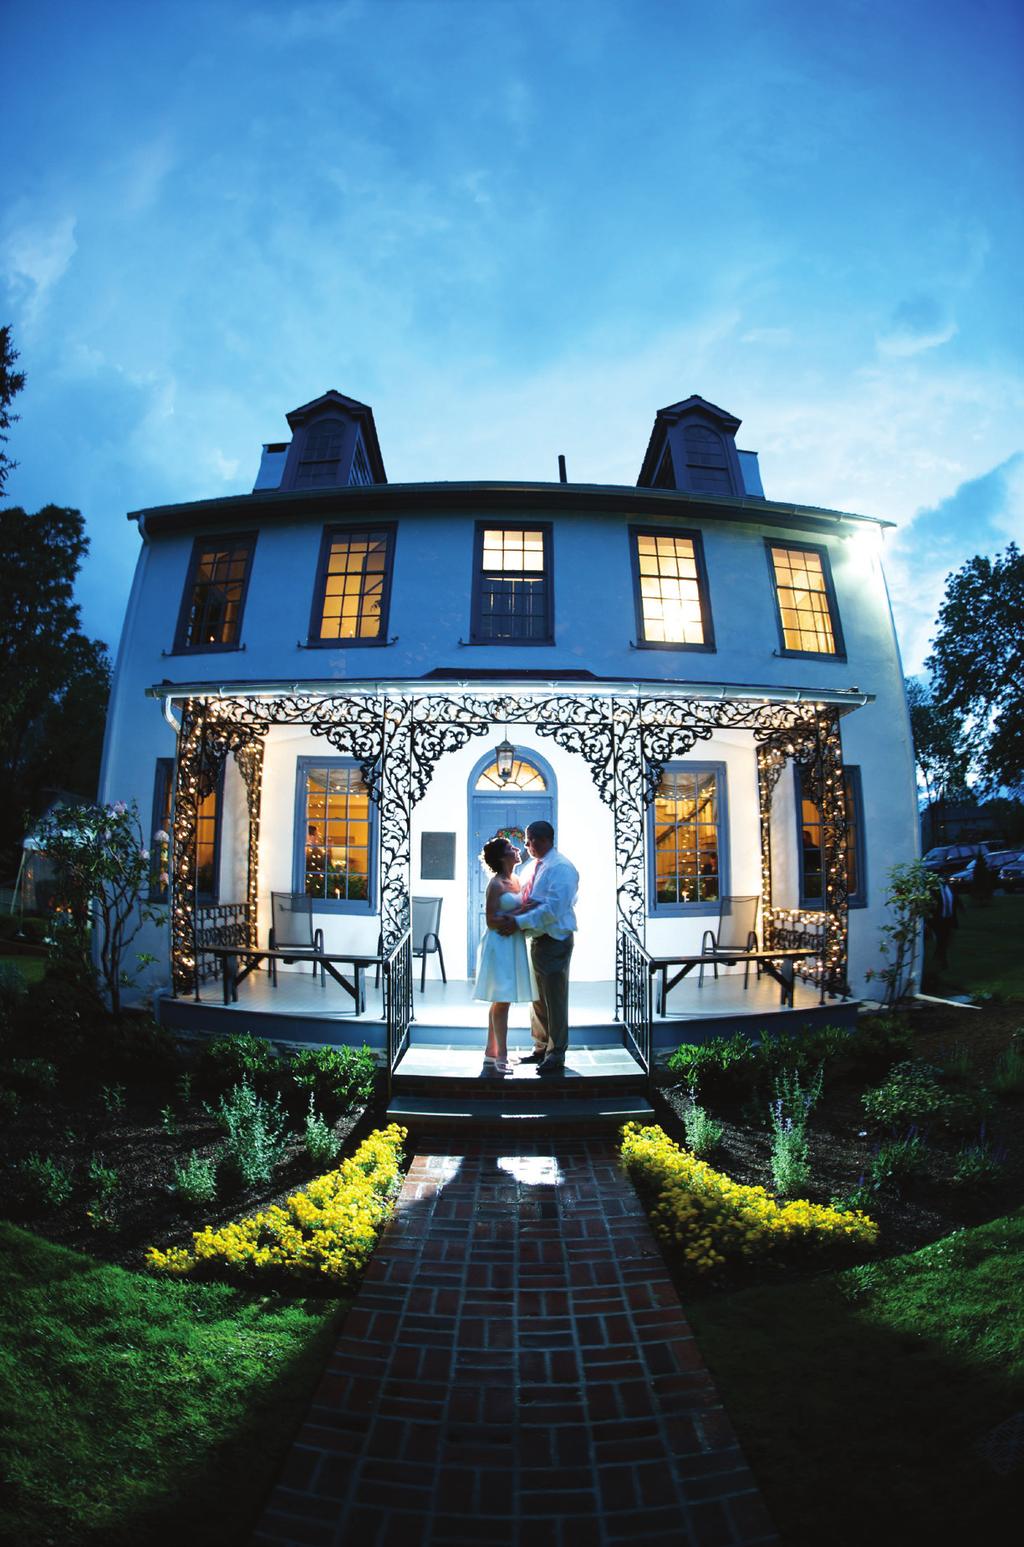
943, 920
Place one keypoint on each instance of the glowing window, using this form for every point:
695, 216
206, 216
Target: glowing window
686, 840
211, 613
805, 606
523, 777
353, 590
812, 859
335, 833
671, 595
513, 590
207, 835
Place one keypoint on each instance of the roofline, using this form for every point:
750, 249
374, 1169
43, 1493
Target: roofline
331, 687
380, 498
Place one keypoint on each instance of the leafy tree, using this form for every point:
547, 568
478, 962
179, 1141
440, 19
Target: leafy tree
104, 870
11, 383
54, 681
941, 761
977, 663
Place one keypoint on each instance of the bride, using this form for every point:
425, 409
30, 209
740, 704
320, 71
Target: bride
504, 974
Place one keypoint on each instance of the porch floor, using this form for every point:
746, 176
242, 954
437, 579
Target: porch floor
302, 1009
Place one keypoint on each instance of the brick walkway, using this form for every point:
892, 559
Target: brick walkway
516, 1369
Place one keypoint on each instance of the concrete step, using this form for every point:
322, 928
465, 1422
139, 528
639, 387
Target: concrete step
539, 1112
454, 1069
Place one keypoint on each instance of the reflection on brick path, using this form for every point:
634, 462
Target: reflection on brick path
516, 1369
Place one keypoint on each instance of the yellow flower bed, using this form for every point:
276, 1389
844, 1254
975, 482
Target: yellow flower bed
714, 1219
330, 1228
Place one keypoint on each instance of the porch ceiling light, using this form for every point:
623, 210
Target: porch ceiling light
505, 757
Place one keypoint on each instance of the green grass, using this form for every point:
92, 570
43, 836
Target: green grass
32, 968
144, 1410
859, 1397
984, 953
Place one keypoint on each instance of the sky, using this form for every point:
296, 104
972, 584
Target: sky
517, 229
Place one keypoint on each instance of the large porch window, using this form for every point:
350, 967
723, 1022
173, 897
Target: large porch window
334, 846
688, 869
812, 859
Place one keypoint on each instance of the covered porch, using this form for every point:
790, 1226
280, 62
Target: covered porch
616, 743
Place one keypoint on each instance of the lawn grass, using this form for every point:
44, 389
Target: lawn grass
985, 955
144, 1410
32, 968
860, 1397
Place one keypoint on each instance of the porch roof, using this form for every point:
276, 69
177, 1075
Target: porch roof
843, 699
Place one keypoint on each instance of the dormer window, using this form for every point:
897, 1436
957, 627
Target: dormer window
321, 456
707, 464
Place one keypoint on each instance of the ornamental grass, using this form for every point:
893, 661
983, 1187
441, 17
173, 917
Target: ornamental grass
329, 1229
715, 1220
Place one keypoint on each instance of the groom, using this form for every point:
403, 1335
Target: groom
550, 892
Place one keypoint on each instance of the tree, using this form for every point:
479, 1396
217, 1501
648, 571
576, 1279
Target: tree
977, 663
11, 383
910, 897
104, 868
941, 761
54, 681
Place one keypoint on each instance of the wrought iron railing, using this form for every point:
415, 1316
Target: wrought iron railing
398, 1000
635, 995
228, 923
790, 931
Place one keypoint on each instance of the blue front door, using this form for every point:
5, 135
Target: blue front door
490, 814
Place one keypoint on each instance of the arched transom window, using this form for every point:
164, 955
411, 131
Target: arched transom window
524, 776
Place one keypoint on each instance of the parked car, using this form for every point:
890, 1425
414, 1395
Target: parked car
1001, 860
949, 858
1011, 876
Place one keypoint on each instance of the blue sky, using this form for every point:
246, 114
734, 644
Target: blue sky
517, 229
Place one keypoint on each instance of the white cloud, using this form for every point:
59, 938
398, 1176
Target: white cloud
34, 256
917, 324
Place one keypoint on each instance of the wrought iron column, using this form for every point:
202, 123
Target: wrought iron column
395, 818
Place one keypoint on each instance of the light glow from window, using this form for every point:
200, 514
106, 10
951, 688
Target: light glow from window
669, 590
803, 601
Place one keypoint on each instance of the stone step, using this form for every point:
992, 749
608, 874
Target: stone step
539, 1113
452, 1069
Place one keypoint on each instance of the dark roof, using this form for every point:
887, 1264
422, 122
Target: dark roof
391, 499
671, 415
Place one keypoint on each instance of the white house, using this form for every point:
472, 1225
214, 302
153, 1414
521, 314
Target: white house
701, 689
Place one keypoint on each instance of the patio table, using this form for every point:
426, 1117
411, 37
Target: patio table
251, 955
779, 965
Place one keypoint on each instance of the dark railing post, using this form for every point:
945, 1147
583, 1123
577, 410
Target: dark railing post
397, 969
636, 991
227, 923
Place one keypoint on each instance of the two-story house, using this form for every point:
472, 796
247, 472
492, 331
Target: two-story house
339, 687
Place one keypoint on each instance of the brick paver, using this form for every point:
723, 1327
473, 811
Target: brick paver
516, 1369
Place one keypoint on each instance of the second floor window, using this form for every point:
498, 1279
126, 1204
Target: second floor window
211, 610
512, 590
671, 590
351, 605
808, 619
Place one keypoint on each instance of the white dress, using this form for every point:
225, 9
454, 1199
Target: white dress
504, 974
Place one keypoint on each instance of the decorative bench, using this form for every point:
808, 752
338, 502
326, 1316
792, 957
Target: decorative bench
779, 964
237, 961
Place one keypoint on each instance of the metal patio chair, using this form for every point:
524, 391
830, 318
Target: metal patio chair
292, 931
734, 936
426, 921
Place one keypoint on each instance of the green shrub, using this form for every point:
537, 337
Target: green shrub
722, 1066
337, 1078
703, 1133
957, 1063
879, 1041
46, 1184
898, 1162
914, 1096
195, 1182
104, 1181
256, 1138
1008, 1074
112, 1099
979, 1165
804, 1050
227, 1061
31, 1076
322, 1142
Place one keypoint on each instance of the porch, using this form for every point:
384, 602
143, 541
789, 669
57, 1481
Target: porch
448, 1022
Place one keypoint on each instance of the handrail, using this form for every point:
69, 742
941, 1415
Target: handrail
397, 970
636, 971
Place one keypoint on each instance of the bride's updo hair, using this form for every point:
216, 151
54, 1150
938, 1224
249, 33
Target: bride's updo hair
494, 853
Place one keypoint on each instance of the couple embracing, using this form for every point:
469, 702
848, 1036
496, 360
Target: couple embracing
525, 952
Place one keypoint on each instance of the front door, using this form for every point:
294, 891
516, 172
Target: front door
505, 813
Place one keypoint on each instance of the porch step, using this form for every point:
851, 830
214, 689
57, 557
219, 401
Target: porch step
426, 1069
535, 1113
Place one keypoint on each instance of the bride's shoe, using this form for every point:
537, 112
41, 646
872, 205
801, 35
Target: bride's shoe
502, 1065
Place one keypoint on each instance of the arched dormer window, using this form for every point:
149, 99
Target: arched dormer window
321, 455
707, 462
